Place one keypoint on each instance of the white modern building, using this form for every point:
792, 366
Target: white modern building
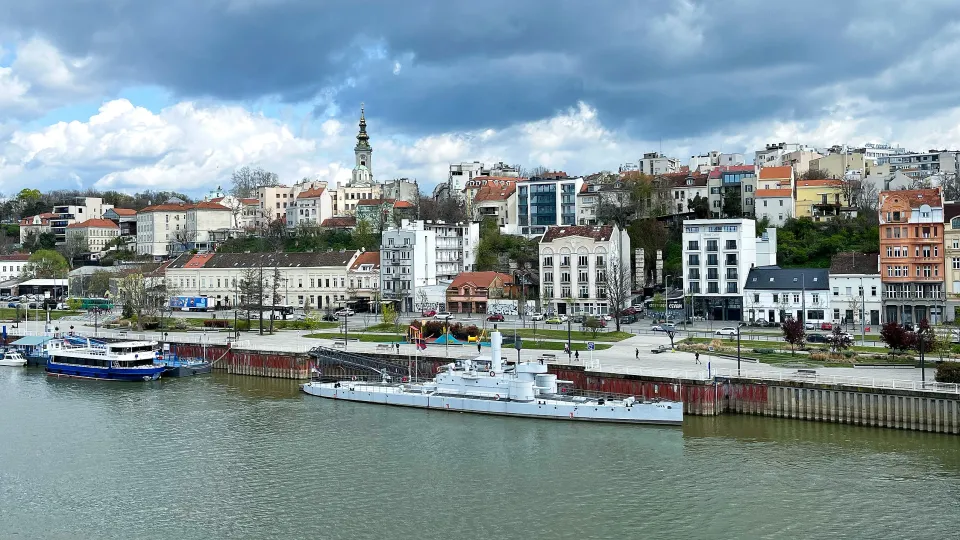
11, 266
161, 227
408, 264
363, 279
576, 263
245, 211
773, 155
316, 280
775, 205
94, 234
774, 294
855, 288
655, 163
546, 201
207, 224
455, 245
717, 255
924, 164
311, 208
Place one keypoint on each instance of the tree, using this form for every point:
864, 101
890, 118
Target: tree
183, 239
251, 291
815, 174
870, 196
390, 315
925, 335
700, 206
34, 241
74, 246
618, 287
896, 337
45, 264
659, 304
838, 339
593, 324
246, 180
275, 297
623, 201
950, 185
98, 284
793, 333
732, 205
133, 294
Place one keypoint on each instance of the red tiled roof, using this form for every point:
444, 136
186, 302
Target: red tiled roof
198, 260
311, 193
44, 218
178, 207
479, 279
776, 173
250, 201
15, 257
597, 232
499, 191
916, 197
403, 204
208, 205
124, 211
340, 221
367, 257
217, 200
821, 182
95, 222
774, 193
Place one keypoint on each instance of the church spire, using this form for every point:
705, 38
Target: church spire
363, 140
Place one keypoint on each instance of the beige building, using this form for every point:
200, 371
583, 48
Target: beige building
160, 227
37, 224
93, 233
207, 224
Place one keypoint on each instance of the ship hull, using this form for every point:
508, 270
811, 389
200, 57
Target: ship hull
108, 374
666, 413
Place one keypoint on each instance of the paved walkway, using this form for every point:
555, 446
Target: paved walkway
632, 355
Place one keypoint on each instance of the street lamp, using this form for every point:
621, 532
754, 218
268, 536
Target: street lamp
739, 326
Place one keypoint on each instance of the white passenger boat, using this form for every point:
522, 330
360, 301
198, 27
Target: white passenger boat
11, 358
486, 387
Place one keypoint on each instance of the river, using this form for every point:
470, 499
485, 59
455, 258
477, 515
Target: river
241, 457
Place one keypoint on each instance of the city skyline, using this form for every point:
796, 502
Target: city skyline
134, 106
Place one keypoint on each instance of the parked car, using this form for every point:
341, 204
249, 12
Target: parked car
443, 316
664, 327
496, 317
557, 319
429, 313
578, 318
536, 316
810, 325
329, 317
826, 326
629, 319
345, 312
726, 331
629, 311
13, 304
816, 338
605, 317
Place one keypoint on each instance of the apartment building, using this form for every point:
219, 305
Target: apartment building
911, 255
126, 220
685, 187
310, 208
95, 234
363, 280
207, 224
774, 294
546, 201
575, 262
776, 205
951, 249
84, 208
819, 200
274, 201
12, 265
162, 228
245, 211
717, 255
855, 289
315, 280
739, 179
655, 163
775, 178
496, 200
924, 164
408, 265
35, 225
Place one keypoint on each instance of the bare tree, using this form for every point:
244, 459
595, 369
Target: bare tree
618, 287
950, 186
182, 239
251, 288
75, 245
247, 180
850, 189
869, 196
275, 297
135, 295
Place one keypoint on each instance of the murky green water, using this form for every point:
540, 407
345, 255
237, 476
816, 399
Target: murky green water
241, 457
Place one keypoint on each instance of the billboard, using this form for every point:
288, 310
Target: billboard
189, 303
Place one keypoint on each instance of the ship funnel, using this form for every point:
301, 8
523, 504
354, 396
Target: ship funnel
496, 340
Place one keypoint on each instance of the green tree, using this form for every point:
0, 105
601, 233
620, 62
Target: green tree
732, 205
700, 206
34, 241
46, 264
99, 283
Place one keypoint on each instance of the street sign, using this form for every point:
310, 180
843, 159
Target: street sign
589, 345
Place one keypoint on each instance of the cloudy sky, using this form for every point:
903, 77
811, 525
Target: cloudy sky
133, 94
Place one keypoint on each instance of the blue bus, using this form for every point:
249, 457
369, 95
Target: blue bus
189, 303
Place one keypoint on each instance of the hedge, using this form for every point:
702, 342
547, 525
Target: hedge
948, 372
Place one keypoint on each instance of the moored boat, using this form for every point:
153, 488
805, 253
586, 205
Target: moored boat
89, 359
482, 386
11, 358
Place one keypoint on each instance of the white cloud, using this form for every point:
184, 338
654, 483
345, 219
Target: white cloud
41, 78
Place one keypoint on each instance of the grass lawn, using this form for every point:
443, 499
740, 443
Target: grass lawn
562, 334
11, 314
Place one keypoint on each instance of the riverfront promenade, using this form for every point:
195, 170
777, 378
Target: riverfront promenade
621, 357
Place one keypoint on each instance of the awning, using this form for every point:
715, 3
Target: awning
31, 341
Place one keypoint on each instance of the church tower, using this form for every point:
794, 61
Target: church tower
363, 155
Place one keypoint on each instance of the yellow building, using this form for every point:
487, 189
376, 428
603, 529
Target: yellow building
819, 200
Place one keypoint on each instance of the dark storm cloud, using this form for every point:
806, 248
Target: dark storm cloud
662, 68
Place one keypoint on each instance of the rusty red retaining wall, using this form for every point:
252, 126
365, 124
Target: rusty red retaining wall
246, 362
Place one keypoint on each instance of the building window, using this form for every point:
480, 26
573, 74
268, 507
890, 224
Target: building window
582, 260
836, 291
796, 298
713, 287
731, 259
815, 297
713, 260
776, 298
694, 245
712, 245
694, 287
731, 244
731, 286
756, 297
694, 260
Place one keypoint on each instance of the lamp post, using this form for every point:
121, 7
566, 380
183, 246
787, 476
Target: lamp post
923, 374
739, 326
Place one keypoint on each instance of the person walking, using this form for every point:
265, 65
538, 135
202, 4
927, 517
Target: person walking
696, 356
638, 353
577, 355
478, 347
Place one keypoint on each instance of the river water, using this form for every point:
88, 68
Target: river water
241, 457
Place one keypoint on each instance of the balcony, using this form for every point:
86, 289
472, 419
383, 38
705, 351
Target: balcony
912, 295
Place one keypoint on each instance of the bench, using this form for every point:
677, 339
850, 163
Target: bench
660, 349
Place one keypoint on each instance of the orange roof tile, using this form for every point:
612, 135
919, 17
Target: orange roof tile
311, 193
479, 279
124, 211
95, 222
403, 204
774, 193
340, 221
208, 205
44, 218
917, 197
198, 260
367, 257
775, 173
178, 207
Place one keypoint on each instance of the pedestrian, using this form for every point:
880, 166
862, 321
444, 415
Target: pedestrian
478, 347
638, 353
398, 347
696, 356
577, 355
